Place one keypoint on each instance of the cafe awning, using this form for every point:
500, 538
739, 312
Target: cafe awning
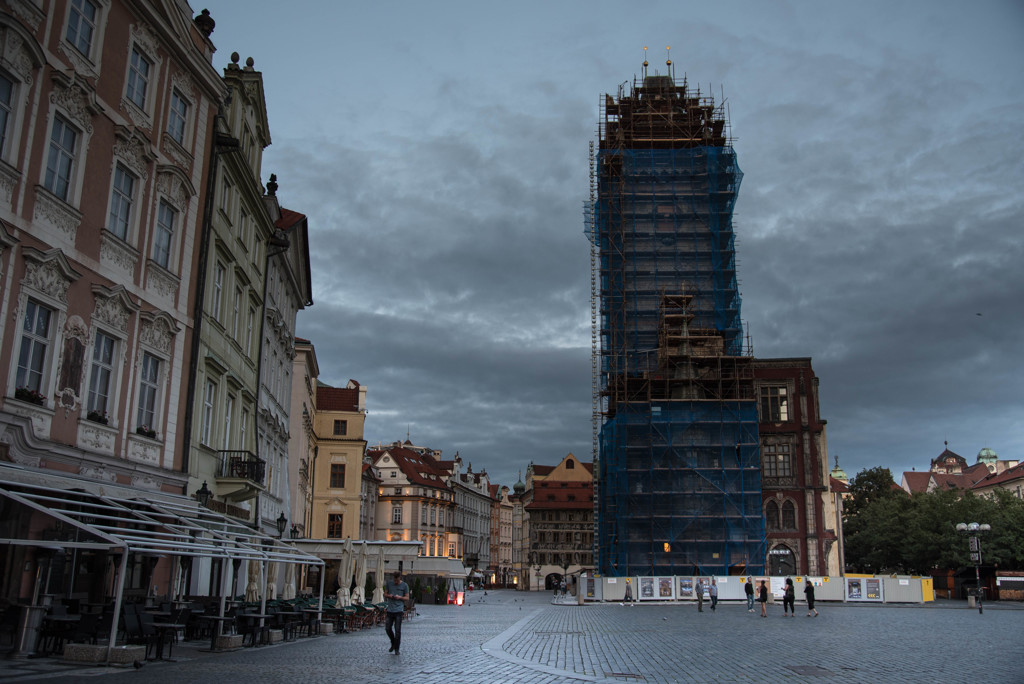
164, 525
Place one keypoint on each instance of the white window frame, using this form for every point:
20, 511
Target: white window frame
243, 426
150, 389
250, 331
103, 372
209, 409
76, 16
137, 84
217, 292
396, 515
164, 234
236, 313
178, 116
229, 410
7, 115
122, 202
61, 185
31, 376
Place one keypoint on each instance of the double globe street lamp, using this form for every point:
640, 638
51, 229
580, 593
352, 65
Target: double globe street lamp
973, 531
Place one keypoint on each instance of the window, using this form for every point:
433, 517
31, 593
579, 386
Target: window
81, 25
338, 475
250, 327
433, 516
771, 515
177, 118
334, 525
138, 77
229, 410
149, 380
789, 516
340, 427
35, 345
209, 397
236, 313
243, 425
60, 161
774, 405
6, 97
121, 196
217, 293
396, 515
451, 549
777, 462
569, 465
225, 199
101, 372
165, 219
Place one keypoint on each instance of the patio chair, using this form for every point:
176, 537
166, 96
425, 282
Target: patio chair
85, 631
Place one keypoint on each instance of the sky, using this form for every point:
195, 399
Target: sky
440, 151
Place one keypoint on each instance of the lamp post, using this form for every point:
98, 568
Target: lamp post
973, 531
282, 522
203, 495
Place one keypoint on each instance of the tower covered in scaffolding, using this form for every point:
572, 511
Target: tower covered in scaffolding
675, 418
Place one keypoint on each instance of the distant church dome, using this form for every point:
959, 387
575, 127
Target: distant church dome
839, 473
986, 455
519, 487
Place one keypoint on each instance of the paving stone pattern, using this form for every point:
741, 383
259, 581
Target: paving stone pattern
519, 638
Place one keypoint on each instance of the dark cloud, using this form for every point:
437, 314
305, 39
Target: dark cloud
441, 155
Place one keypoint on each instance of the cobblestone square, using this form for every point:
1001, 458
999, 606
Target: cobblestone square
506, 636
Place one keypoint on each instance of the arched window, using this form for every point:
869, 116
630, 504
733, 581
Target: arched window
771, 515
789, 516
781, 561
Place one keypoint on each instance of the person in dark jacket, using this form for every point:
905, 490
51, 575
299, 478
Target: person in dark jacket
789, 599
809, 593
762, 597
748, 589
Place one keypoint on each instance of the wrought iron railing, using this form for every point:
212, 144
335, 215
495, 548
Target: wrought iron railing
244, 465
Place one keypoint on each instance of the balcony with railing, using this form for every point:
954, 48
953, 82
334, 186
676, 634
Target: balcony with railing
243, 470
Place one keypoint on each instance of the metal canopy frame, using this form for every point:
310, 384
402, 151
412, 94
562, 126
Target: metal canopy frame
160, 526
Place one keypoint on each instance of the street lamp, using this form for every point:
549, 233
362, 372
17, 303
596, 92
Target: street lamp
282, 522
973, 531
203, 495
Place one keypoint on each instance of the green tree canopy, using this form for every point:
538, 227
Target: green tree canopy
886, 530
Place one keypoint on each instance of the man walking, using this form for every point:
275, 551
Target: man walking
397, 593
700, 596
748, 588
713, 593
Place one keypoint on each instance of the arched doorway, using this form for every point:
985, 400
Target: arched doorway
781, 561
552, 581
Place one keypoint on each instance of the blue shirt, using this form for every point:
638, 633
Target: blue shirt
400, 589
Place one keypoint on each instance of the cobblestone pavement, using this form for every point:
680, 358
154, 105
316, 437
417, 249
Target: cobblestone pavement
511, 637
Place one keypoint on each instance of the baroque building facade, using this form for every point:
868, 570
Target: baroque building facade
337, 469
106, 121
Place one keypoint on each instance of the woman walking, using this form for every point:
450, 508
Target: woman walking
762, 597
809, 593
789, 599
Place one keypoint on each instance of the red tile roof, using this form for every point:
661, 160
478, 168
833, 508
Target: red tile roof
420, 469
288, 219
337, 398
917, 482
562, 496
838, 485
1008, 475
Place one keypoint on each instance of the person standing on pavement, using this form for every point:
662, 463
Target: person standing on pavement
789, 599
748, 588
762, 597
809, 593
700, 596
713, 593
397, 593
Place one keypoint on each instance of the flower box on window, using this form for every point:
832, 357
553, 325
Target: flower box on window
98, 417
30, 395
146, 431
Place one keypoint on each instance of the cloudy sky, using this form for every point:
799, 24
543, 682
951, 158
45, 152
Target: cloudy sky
440, 152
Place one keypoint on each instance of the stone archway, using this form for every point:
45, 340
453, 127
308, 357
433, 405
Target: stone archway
781, 561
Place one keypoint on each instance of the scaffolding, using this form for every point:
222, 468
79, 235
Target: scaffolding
679, 483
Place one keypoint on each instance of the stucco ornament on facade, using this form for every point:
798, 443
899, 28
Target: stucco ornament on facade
15, 56
76, 99
27, 12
